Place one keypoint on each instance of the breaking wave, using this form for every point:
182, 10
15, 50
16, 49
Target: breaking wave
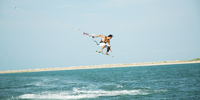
81, 94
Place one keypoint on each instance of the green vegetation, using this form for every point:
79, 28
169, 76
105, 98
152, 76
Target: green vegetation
196, 59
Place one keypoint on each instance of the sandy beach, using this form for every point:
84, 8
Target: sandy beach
102, 66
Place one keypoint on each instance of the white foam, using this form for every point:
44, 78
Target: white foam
119, 86
81, 94
55, 96
38, 84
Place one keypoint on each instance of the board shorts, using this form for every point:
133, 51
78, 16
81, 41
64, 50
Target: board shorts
102, 44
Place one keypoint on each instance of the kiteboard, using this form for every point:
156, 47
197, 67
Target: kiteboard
104, 53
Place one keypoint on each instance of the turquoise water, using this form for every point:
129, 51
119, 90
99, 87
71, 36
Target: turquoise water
163, 82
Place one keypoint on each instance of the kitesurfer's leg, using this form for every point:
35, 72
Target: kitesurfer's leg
108, 49
103, 48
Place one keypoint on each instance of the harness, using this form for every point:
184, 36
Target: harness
102, 41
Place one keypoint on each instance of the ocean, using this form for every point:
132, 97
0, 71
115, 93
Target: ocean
159, 82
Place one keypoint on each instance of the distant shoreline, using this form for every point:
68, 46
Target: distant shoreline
102, 66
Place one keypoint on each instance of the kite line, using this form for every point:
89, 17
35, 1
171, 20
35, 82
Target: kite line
54, 21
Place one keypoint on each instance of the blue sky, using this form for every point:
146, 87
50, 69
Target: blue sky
144, 31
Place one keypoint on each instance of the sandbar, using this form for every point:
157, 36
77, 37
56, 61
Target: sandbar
103, 66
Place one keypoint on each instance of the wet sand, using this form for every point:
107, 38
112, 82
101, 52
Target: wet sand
101, 66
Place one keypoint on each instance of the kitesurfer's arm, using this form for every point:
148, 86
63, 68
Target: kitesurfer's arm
99, 36
109, 42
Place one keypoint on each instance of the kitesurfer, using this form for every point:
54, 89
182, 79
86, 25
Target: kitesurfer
104, 41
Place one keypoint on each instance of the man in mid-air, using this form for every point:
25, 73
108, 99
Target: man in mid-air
104, 40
